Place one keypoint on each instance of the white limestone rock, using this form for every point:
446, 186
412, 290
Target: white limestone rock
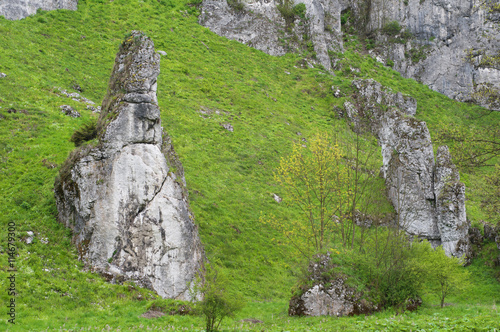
418, 189
125, 198
19, 9
261, 25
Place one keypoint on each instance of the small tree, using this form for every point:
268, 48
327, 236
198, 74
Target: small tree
218, 302
327, 181
446, 275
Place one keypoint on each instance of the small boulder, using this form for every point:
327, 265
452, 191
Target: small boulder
227, 126
325, 293
30, 237
277, 198
2, 75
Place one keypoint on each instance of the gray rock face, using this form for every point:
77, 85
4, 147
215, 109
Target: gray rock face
456, 38
450, 204
125, 198
260, 24
428, 198
19, 9
455, 49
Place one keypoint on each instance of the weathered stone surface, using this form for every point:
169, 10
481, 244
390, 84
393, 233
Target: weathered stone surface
449, 52
19, 9
420, 191
444, 32
450, 204
328, 295
125, 198
260, 24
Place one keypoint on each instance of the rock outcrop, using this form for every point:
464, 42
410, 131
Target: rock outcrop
273, 27
429, 198
125, 197
19, 9
453, 48
326, 293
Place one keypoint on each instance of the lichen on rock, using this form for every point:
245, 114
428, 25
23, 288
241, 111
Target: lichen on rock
125, 197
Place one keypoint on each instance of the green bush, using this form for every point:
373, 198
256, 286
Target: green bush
87, 132
287, 10
218, 302
300, 11
392, 28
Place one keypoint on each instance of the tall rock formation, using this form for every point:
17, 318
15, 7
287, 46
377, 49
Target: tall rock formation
125, 197
429, 198
19, 9
454, 49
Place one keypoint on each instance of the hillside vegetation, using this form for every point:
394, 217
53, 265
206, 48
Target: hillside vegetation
206, 81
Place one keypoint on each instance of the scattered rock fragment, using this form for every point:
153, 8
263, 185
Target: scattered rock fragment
2, 75
227, 126
30, 237
277, 198
69, 111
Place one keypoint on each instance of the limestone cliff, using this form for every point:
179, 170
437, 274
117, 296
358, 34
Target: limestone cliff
428, 197
19, 9
275, 27
453, 45
125, 197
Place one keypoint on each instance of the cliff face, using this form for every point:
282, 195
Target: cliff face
428, 197
125, 197
278, 27
19, 9
454, 47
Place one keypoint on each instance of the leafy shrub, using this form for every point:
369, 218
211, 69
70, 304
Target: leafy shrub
390, 63
300, 11
445, 275
87, 132
218, 302
392, 28
286, 9
345, 17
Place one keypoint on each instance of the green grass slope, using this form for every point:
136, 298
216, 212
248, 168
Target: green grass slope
206, 81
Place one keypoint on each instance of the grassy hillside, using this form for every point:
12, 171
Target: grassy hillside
205, 81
